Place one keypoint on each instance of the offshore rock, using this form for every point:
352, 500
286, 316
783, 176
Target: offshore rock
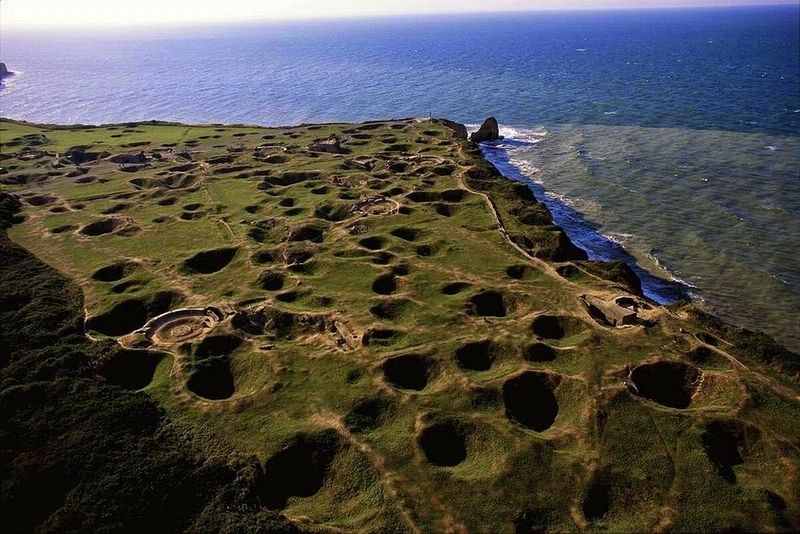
489, 131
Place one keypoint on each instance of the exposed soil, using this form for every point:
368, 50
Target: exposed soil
271, 280
131, 369
488, 304
409, 371
477, 356
444, 444
367, 414
529, 400
115, 271
557, 326
385, 284
539, 352
210, 261
668, 383
725, 445
300, 468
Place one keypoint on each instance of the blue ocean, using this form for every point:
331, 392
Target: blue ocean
667, 138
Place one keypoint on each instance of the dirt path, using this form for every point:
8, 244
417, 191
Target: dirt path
544, 266
388, 479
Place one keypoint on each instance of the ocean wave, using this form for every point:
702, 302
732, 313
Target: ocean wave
672, 274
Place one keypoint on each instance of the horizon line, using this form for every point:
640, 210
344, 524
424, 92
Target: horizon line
149, 25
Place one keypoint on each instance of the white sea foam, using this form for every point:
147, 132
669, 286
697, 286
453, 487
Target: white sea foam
771, 148
672, 276
616, 111
620, 238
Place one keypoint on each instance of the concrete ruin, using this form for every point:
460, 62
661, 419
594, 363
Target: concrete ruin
609, 311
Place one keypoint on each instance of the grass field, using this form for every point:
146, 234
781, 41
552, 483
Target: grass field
393, 340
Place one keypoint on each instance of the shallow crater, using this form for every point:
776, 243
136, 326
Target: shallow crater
115, 271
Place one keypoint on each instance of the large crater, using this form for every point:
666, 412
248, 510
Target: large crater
409, 371
210, 261
529, 400
300, 468
668, 383
211, 376
444, 444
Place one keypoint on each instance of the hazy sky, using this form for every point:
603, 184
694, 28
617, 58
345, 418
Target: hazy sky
63, 14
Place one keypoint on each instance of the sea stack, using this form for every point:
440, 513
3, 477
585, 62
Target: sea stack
489, 131
4, 71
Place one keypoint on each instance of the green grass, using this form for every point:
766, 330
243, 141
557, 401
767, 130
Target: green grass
648, 459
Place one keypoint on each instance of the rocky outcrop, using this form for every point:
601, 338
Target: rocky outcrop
489, 131
459, 130
4, 71
331, 146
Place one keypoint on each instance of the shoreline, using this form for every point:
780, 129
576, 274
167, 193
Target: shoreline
583, 233
668, 293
